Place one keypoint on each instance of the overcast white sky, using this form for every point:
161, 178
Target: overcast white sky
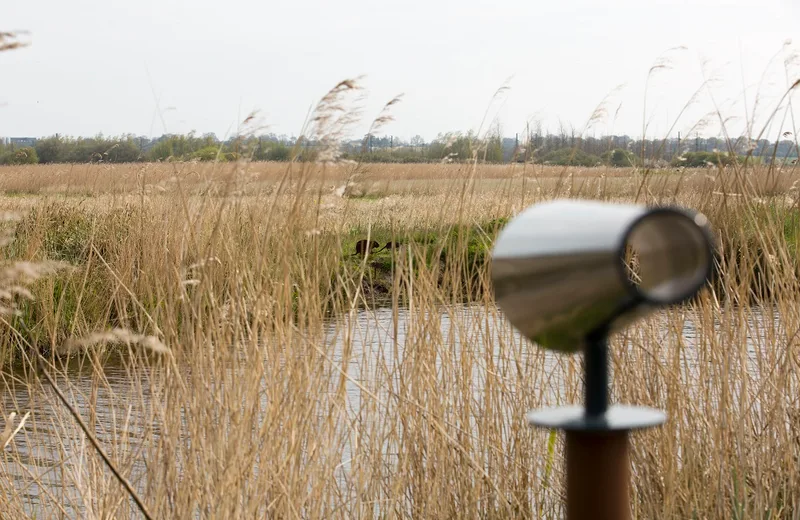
106, 66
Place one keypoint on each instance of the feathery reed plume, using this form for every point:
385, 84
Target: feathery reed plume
8, 433
333, 118
382, 119
10, 40
117, 335
15, 277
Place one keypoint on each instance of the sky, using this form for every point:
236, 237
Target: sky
173, 66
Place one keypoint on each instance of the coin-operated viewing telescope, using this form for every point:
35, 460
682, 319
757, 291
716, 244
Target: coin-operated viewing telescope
568, 273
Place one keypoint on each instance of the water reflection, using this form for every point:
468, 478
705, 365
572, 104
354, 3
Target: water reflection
368, 350
50, 452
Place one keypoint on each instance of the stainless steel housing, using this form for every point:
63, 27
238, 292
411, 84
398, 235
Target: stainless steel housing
564, 269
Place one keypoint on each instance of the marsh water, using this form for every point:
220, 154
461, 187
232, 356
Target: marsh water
41, 462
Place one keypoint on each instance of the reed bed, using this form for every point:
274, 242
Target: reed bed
221, 343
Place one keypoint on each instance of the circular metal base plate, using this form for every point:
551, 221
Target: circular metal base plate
616, 418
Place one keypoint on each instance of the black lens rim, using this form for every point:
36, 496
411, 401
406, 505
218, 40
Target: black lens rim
710, 246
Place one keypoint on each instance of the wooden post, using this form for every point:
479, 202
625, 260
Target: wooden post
598, 475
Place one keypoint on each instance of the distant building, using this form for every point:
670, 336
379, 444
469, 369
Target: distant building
18, 142
23, 141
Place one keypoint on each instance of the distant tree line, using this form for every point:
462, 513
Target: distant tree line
130, 148
570, 149
560, 148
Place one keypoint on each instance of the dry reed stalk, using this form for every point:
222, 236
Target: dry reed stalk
287, 393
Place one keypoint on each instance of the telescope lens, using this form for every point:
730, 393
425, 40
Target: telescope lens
667, 256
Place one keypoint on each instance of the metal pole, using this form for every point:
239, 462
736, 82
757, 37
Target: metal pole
595, 367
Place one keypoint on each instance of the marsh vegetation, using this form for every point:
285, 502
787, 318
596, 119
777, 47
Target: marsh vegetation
213, 328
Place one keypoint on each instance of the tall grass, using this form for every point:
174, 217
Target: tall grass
267, 379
